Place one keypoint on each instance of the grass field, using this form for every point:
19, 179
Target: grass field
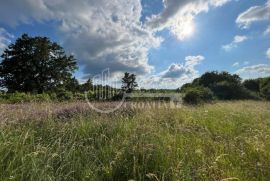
67, 141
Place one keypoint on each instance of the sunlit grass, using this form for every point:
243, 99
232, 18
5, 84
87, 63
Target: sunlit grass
226, 140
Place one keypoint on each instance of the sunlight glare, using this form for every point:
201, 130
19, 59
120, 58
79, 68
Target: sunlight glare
183, 28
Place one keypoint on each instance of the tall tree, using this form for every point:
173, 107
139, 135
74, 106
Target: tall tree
129, 82
35, 64
72, 85
87, 86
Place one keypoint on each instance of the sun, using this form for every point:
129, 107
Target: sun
187, 29
183, 28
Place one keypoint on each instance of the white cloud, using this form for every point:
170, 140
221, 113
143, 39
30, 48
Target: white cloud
267, 31
237, 39
192, 61
254, 71
5, 39
176, 71
253, 14
100, 33
268, 53
175, 75
178, 15
236, 64
105, 33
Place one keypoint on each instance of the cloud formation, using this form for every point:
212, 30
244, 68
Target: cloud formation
178, 15
186, 69
5, 39
105, 33
100, 33
109, 34
237, 39
176, 74
253, 14
268, 53
236, 64
267, 31
259, 70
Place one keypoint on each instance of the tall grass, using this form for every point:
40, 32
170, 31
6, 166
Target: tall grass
222, 141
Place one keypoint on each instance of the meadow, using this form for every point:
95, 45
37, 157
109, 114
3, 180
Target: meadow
226, 140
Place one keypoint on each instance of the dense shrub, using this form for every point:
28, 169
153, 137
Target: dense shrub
90, 95
223, 85
79, 96
229, 90
2, 96
186, 86
42, 97
63, 95
210, 79
226, 86
252, 85
197, 95
265, 88
19, 97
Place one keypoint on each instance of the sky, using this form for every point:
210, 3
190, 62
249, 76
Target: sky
166, 43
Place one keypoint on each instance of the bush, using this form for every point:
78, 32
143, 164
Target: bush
231, 91
42, 97
210, 79
18, 97
228, 90
79, 96
53, 96
252, 85
228, 87
186, 87
90, 95
197, 95
2, 96
63, 95
265, 88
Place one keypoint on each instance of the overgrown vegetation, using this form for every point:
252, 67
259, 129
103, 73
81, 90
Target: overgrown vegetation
228, 140
37, 69
224, 86
197, 95
47, 138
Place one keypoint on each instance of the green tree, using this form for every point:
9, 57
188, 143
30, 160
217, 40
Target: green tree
197, 95
210, 79
230, 90
87, 86
129, 82
252, 85
265, 88
223, 85
72, 85
35, 64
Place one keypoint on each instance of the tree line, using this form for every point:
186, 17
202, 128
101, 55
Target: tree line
224, 86
36, 65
